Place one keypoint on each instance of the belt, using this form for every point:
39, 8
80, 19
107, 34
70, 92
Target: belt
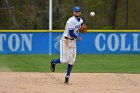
69, 38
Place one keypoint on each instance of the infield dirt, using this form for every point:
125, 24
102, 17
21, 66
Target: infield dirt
34, 82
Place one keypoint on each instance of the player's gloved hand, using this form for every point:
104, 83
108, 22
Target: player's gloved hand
83, 29
79, 38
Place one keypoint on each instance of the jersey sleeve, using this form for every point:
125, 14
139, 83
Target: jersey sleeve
71, 32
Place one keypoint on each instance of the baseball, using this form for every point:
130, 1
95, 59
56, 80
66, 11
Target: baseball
92, 13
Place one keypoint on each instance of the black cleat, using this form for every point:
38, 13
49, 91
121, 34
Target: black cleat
66, 80
52, 67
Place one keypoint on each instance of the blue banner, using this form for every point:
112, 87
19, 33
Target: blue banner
24, 43
110, 43
92, 43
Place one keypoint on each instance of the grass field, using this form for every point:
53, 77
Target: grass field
122, 63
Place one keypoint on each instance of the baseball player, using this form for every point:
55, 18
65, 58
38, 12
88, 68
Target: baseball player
68, 43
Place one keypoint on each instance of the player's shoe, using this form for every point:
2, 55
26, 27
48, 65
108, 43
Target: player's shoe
66, 80
52, 67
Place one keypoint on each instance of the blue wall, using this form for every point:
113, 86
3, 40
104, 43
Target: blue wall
92, 43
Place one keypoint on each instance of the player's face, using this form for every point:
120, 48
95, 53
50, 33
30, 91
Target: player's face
77, 14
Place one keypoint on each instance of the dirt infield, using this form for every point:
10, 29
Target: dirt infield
30, 82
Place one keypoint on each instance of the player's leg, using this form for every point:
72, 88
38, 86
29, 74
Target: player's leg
63, 54
71, 62
56, 61
69, 68
53, 63
64, 50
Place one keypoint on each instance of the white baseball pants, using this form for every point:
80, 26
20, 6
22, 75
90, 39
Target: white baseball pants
67, 51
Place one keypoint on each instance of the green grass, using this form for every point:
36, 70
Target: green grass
122, 63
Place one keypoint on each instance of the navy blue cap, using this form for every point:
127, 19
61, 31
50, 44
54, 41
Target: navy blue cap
76, 9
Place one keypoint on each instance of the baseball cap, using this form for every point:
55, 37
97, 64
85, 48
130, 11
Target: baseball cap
76, 9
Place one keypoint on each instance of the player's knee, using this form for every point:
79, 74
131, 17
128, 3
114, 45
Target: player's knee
64, 60
71, 63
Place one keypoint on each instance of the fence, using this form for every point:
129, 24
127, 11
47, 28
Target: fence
94, 42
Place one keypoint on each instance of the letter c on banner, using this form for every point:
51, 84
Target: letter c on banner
98, 43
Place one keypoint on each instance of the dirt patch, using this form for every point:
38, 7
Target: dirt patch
27, 82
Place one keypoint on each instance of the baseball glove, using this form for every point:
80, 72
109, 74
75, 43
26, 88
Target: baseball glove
83, 28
